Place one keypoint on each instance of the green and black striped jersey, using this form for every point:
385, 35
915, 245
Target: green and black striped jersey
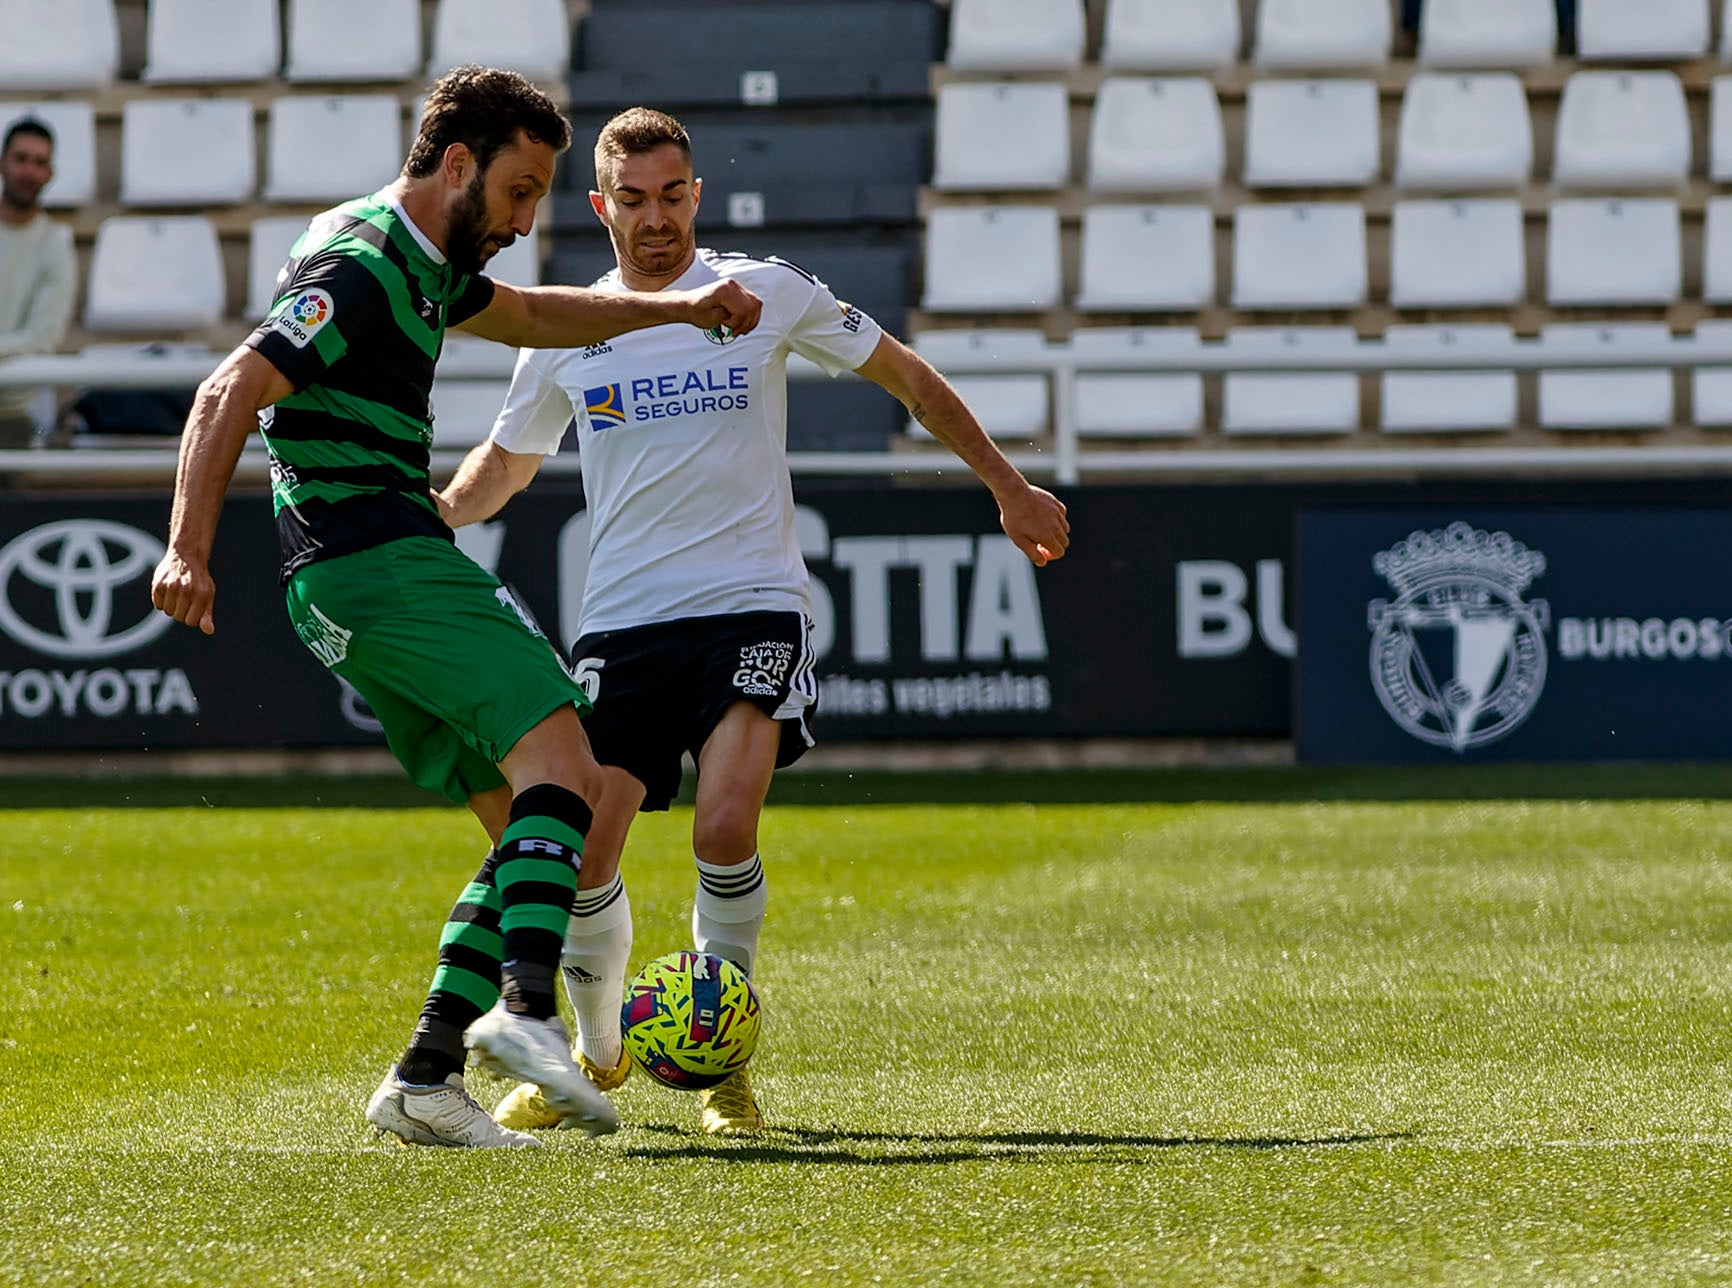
361, 311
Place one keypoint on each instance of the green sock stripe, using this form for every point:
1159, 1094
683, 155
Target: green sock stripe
481, 939
541, 827
541, 871
535, 916
485, 895
467, 985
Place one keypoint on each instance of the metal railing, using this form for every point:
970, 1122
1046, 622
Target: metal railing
1066, 462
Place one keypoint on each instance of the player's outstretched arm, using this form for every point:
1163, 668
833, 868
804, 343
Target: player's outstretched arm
223, 414
1032, 517
567, 317
488, 477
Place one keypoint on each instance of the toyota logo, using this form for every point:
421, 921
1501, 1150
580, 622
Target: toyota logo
82, 562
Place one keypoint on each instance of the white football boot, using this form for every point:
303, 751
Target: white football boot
441, 1115
538, 1051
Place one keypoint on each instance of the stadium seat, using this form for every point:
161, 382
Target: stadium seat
1290, 402
1720, 130
1311, 133
58, 44
72, 122
1717, 251
338, 40
464, 411
1464, 133
1604, 398
1156, 135
1457, 254
519, 264
332, 147
1002, 137
1488, 33
1323, 34
159, 134
268, 249
1117, 404
1622, 130
181, 49
1711, 387
1299, 256
528, 36
1013, 406
154, 275
1426, 402
1170, 35
992, 259
1016, 35
1141, 258
1614, 252
1615, 30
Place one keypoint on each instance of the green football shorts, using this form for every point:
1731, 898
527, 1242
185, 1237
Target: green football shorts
450, 664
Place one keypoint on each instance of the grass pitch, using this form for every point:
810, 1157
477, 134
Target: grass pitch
1240, 1039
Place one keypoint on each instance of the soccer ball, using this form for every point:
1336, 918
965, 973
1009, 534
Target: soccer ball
690, 1020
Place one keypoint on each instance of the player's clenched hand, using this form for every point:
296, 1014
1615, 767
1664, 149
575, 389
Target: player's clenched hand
1035, 520
724, 304
183, 589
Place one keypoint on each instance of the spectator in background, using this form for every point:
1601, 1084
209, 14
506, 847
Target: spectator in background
36, 266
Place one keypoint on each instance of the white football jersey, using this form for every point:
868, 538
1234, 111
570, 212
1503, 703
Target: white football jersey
683, 436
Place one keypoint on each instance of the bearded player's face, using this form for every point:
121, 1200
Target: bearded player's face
649, 202
498, 206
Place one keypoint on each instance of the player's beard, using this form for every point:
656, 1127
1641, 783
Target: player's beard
471, 242
663, 260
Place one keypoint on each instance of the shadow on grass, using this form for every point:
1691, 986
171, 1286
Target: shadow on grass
830, 1146
1275, 784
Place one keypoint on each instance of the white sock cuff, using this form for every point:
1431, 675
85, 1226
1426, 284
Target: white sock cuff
597, 911
732, 893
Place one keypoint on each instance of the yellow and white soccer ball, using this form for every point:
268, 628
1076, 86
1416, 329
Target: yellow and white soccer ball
690, 1020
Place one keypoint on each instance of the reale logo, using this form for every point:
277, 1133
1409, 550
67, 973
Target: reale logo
1459, 659
83, 562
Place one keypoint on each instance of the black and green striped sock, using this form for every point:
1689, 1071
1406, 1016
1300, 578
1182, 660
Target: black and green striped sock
539, 856
465, 986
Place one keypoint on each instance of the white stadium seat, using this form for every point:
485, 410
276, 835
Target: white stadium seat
992, 259
1299, 256
154, 275
1290, 402
1720, 130
339, 40
58, 44
1322, 34
1626, 251
1114, 404
268, 250
1425, 402
464, 411
1141, 258
332, 147
158, 135
182, 49
995, 136
532, 37
1622, 129
1014, 405
1152, 134
519, 264
1604, 398
1170, 35
1711, 387
1457, 254
1311, 133
1488, 33
1016, 35
1463, 133
1616, 30
1717, 251
72, 122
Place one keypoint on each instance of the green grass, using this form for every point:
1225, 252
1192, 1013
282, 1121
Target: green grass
1236, 1039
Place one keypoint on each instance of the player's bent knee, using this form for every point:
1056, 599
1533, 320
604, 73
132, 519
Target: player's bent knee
728, 835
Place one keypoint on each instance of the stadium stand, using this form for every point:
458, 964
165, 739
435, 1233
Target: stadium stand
1314, 35
1170, 35
158, 134
1622, 130
1488, 33
1311, 134
1154, 135
1147, 259
1119, 404
1002, 137
528, 36
1651, 30
338, 40
329, 148
73, 123
1457, 254
1016, 35
1463, 133
1448, 402
64, 45
182, 52
150, 275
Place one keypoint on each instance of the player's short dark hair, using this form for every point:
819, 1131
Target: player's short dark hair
31, 125
483, 108
638, 130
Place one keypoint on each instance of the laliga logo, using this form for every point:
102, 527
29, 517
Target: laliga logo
84, 562
1459, 659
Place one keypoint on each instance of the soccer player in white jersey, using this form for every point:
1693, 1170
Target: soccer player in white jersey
695, 624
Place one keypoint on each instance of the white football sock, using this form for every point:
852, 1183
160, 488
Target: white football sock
728, 910
597, 948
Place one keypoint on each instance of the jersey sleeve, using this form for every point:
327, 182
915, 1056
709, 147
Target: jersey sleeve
834, 334
537, 409
330, 300
472, 295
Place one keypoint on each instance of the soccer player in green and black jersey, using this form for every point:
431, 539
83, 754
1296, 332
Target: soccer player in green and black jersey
473, 699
